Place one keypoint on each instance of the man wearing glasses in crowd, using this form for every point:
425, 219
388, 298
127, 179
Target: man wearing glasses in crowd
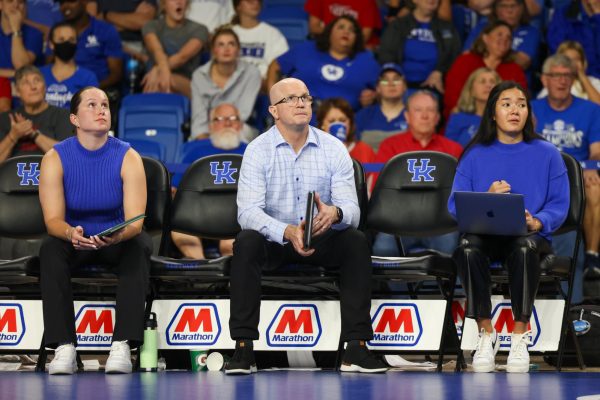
279, 168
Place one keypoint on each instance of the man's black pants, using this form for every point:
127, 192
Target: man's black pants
347, 250
131, 259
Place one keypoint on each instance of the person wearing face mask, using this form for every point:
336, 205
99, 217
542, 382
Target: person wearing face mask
64, 77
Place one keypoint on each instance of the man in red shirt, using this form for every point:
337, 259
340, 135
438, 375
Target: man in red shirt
422, 116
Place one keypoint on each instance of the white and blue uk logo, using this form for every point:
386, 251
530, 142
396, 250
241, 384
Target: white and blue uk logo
421, 172
294, 325
195, 324
12, 324
223, 175
396, 324
29, 176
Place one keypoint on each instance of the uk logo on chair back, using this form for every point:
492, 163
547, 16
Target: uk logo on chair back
224, 174
29, 176
420, 172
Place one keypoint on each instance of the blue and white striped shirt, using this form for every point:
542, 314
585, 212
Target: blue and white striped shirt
274, 182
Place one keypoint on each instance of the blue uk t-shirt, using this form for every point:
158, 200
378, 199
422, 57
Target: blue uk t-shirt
420, 53
99, 41
59, 93
328, 77
32, 39
372, 119
462, 127
571, 130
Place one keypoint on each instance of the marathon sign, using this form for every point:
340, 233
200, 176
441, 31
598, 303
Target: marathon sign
458, 315
194, 324
295, 325
12, 324
94, 324
545, 325
396, 324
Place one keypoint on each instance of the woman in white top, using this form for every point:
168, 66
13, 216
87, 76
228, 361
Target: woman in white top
584, 86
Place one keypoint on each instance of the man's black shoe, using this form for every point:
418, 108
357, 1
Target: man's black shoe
242, 361
357, 358
591, 269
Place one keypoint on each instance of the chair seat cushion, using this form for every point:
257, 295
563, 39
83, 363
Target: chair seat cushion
433, 265
19, 270
552, 266
174, 267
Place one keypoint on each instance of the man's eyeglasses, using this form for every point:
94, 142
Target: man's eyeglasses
385, 82
559, 75
293, 100
231, 118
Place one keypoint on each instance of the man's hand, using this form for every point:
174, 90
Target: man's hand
295, 235
500, 186
15, 20
435, 81
327, 216
19, 126
591, 177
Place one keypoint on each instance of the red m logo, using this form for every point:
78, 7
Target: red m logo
193, 322
9, 319
289, 320
505, 319
395, 323
96, 322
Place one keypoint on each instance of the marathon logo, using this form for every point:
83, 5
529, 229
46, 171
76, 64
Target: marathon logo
458, 315
396, 324
12, 324
295, 325
504, 322
194, 324
94, 325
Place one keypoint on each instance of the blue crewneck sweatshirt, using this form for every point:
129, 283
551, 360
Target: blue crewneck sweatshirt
535, 170
92, 183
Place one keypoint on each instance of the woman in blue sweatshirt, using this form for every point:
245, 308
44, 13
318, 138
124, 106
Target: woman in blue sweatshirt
89, 183
507, 156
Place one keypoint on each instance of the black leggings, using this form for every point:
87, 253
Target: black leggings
521, 255
131, 259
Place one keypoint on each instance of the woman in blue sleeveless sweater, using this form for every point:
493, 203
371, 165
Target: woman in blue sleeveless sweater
506, 156
89, 183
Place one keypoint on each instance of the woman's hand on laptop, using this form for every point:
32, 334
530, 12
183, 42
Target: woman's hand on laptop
533, 224
499, 186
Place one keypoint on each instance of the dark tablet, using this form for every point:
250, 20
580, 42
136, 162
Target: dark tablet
308, 219
113, 229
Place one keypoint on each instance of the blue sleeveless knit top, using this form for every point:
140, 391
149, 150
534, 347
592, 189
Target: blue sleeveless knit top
92, 184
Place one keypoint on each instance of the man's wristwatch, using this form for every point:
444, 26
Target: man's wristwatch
35, 135
340, 215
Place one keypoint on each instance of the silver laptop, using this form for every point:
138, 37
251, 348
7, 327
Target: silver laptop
490, 213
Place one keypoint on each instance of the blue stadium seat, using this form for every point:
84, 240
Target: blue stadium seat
148, 148
156, 117
295, 30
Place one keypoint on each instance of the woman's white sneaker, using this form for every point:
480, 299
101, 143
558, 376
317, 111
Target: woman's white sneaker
518, 357
484, 359
64, 361
119, 360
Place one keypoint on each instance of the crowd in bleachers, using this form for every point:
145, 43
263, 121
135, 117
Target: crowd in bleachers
360, 59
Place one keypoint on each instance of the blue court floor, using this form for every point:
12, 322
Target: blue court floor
299, 385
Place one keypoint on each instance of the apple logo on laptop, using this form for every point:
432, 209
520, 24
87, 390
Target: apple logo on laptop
490, 214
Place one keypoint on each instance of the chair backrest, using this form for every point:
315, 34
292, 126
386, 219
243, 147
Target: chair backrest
156, 117
158, 187
205, 203
361, 192
411, 195
577, 195
295, 29
149, 148
20, 210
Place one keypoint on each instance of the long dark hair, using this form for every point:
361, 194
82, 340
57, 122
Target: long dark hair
323, 41
487, 132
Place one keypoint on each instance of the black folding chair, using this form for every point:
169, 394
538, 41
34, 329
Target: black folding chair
410, 199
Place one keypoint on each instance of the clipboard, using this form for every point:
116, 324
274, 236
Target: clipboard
113, 229
308, 219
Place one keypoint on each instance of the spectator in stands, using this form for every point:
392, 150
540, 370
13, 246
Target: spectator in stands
335, 115
76, 208
174, 43
386, 117
43, 15
336, 65
572, 124
464, 121
492, 49
584, 86
225, 131
129, 17
465, 17
224, 79
269, 206
261, 43
20, 44
36, 126
5, 95
422, 44
365, 12
578, 21
526, 38
422, 116
64, 77
500, 160
211, 13
98, 44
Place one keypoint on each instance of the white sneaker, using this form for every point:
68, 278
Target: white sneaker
64, 361
518, 358
484, 359
119, 360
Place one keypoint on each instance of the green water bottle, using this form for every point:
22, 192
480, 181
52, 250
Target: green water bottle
149, 351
